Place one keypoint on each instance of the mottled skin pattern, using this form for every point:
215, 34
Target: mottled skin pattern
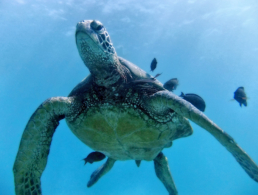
117, 110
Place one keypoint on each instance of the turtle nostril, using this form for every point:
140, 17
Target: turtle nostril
96, 25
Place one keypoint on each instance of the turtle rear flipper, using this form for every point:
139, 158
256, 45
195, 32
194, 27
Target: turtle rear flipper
163, 173
33, 151
102, 170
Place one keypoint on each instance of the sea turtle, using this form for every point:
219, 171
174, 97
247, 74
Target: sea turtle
112, 114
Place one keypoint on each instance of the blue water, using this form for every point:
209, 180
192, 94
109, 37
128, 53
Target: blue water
210, 46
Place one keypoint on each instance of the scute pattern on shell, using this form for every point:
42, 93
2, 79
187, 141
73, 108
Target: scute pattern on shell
112, 111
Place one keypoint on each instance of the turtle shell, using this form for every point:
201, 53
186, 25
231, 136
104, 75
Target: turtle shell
123, 130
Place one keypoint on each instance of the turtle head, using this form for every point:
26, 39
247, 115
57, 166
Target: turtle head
97, 51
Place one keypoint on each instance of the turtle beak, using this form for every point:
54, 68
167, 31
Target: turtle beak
95, 48
87, 42
84, 31
97, 32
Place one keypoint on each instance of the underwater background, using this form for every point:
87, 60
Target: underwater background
210, 46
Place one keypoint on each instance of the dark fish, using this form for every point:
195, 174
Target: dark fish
240, 96
94, 157
153, 64
147, 80
194, 99
157, 75
171, 84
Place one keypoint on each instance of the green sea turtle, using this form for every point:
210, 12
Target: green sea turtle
114, 115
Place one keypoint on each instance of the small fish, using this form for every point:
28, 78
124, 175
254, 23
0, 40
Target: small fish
157, 75
147, 80
94, 157
171, 84
194, 99
153, 64
240, 96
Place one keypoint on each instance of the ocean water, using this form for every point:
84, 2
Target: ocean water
210, 46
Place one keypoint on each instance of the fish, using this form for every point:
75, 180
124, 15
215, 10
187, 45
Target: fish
240, 96
147, 80
157, 75
153, 64
94, 157
171, 84
195, 100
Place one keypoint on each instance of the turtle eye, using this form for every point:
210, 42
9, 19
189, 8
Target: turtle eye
99, 27
96, 25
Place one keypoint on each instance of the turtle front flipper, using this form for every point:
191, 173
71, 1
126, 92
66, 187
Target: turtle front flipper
102, 170
34, 147
184, 108
163, 173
